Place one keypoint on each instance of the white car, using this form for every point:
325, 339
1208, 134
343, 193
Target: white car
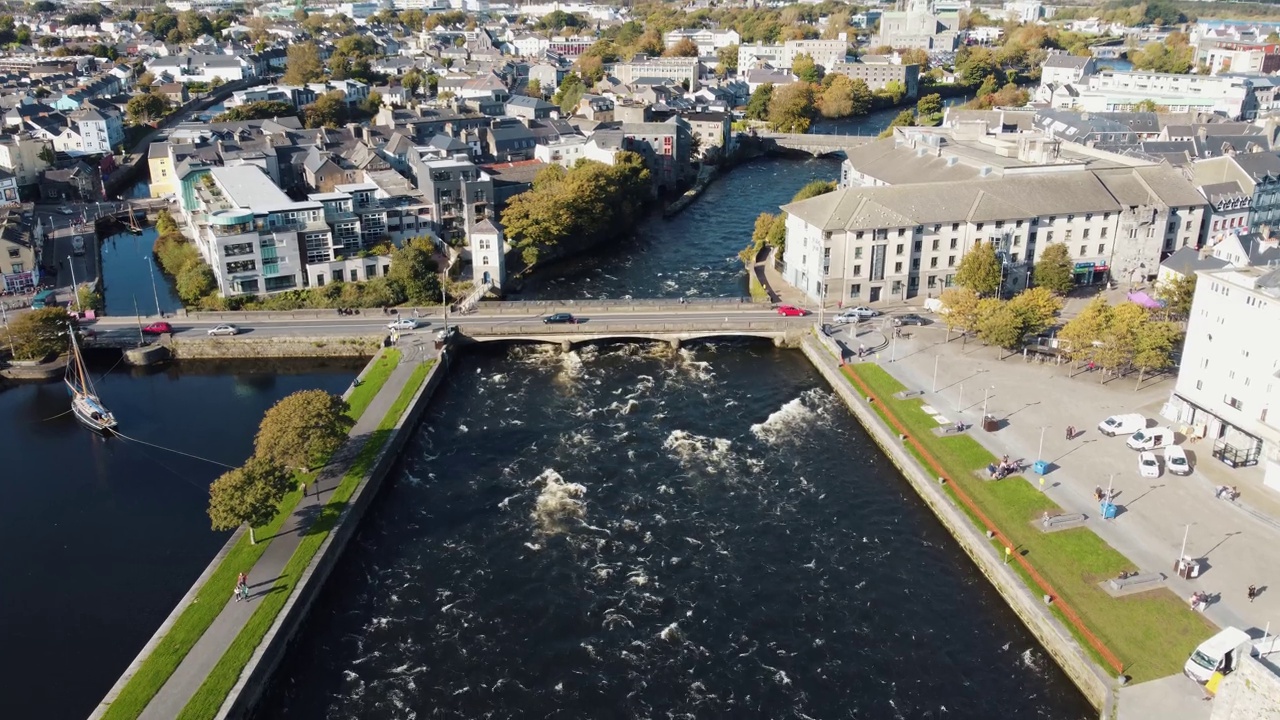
1148, 464
1175, 458
405, 323
224, 329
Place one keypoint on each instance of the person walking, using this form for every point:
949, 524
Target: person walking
242, 581
1071, 432
304, 489
1253, 593
244, 591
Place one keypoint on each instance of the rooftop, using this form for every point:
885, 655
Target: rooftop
246, 186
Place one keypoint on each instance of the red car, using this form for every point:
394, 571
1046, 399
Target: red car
158, 328
792, 311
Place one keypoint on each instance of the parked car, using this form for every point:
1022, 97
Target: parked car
65, 211
862, 311
560, 319
1175, 458
1148, 465
1122, 424
224, 329
792, 311
846, 318
158, 328
1150, 439
910, 319
404, 323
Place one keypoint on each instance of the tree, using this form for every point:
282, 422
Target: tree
249, 495
961, 309
813, 189
165, 223
303, 429
758, 104
1036, 308
929, 106
1177, 292
145, 107
980, 269
193, 282
146, 80
412, 80
259, 110
803, 67
39, 333
415, 272
88, 298
791, 108
569, 93
329, 110
533, 88
1170, 56
1053, 269
683, 48
47, 155
1120, 339
728, 58
1154, 346
906, 118
1079, 337
302, 64
372, 104
999, 324
843, 98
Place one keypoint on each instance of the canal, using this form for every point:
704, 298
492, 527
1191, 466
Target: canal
104, 536
630, 531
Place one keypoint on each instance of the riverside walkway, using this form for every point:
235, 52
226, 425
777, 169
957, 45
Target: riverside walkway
182, 685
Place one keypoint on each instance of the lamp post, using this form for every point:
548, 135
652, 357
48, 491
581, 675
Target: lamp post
4, 315
986, 393
936, 358
151, 270
1040, 452
960, 400
75, 287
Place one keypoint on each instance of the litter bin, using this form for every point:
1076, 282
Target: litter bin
1186, 568
1108, 510
1041, 467
989, 423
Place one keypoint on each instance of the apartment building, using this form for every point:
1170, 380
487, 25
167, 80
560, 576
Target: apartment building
682, 70
877, 71
707, 39
1222, 56
457, 191
19, 256
665, 147
21, 156
1245, 184
1230, 95
870, 244
824, 52
1227, 380
197, 67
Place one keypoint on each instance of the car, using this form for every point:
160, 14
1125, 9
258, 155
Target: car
446, 333
560, 319
792, 311
846, 318
1150, 439
158, 328
910, 320
224, 329
1122, 424
65, 211
1148, 464
1175, 458
861, 311
404, 323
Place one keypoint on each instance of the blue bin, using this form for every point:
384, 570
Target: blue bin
1041, 467
1108, 510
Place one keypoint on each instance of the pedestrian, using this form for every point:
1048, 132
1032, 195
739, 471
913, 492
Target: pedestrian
1071, 432
242, 581
1253, 593
304, 488
244, 592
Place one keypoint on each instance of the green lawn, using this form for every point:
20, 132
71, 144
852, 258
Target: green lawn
1150, 633
212, 596
213, 692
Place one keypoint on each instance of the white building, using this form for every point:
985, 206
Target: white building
1228, 380
824, 52
707, 40
1110, 91
1063, 69
201, 68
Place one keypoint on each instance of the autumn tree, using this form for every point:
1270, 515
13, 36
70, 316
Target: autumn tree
683, 48
193, 282
145, 107
165, 223
146, 80
1054, 269
1036, 309
412, 81
1079, 336
259, 110
1176, 293
1120, 339
39, 333
415, 273
303, 429
249, 495
329, 110
929, 106
844, 97
758, 104
302, 64
803, 67
999, 324
791, 108
980, 269
960, 309
727, 58
1153, 346
533, 88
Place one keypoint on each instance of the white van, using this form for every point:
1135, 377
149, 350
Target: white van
1122, 424
1221, 653
1150, 439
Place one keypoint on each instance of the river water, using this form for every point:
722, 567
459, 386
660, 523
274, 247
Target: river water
132, 277
102, 537
627, 531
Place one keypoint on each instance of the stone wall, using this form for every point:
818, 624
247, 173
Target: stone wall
1252, 692
275, 347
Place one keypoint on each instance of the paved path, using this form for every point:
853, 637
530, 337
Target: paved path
1241, 544
206, 653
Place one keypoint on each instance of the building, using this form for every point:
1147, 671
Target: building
1111, 91
875, 243
712, 131
824, 52
25, 156
1227, 381
201, 68
1238, 187
877, 71
1063, 69
920, 25
707, 40
488, 254
1222, 56
19, 254
682, 70
522, 106
99, 131
665, 147
458, 193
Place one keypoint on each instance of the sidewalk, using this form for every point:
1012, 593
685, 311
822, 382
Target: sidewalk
1239, 548
209, 649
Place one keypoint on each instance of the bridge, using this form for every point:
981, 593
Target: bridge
1108, 52
816, 145
671, 321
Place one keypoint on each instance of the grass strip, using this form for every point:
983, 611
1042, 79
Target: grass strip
372, 382
214, 690
1152, 633
212, 596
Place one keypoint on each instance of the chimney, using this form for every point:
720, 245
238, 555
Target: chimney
367, 134
1202, 132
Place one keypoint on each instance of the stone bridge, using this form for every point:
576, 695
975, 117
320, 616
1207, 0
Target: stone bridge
784, 332
816, 145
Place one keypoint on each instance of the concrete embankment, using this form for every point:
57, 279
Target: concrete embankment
1093, 681
257, 674
203, 348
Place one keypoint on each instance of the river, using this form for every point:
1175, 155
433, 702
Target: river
627, 531
102, 537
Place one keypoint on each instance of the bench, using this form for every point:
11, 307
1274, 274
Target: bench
907, 394
1142, 582
949, 429
1064, 521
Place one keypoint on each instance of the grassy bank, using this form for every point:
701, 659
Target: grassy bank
213, 595
209, 698
1151, 634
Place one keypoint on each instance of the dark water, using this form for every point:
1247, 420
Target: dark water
132, 277
695, 253
874, 123
102, 537
632, 532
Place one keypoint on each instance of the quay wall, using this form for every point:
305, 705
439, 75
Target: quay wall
1093, 681
275, 347
258, 673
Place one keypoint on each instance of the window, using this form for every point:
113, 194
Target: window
898, 251
933, 281
240, 266
1102, 248
17, 268
951, 261
980, 227
1083, 250
1085, 235
857, 253
933, 262
954, 243
955, 226
14, 252
855, 291
1018, 224
935, 244
1233, 402
999, 224
901, 232
857, 270
897, 267
1048, 236
917, 246
858, 235
237, 249
1103, 235
1199, 384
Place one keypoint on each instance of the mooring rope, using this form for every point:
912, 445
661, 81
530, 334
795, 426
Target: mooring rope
179, 452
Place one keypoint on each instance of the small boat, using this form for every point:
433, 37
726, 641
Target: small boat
88, 409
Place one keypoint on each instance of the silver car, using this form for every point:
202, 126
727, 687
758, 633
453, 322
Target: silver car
224, 329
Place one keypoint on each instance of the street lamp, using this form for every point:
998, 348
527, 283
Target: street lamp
151, 271
75, 287
936, 358
986, 393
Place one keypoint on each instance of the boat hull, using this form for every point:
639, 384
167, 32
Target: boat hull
90, 412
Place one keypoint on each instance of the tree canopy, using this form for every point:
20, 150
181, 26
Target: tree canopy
758, 104
259, 110
329, 110
791, 108
303, 429
302, 64
980, 269
39, 333
844, 97
145, 107
1177, 292
249, 495
415, 273
1053, 269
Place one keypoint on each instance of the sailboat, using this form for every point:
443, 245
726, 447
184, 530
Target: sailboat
88, 409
